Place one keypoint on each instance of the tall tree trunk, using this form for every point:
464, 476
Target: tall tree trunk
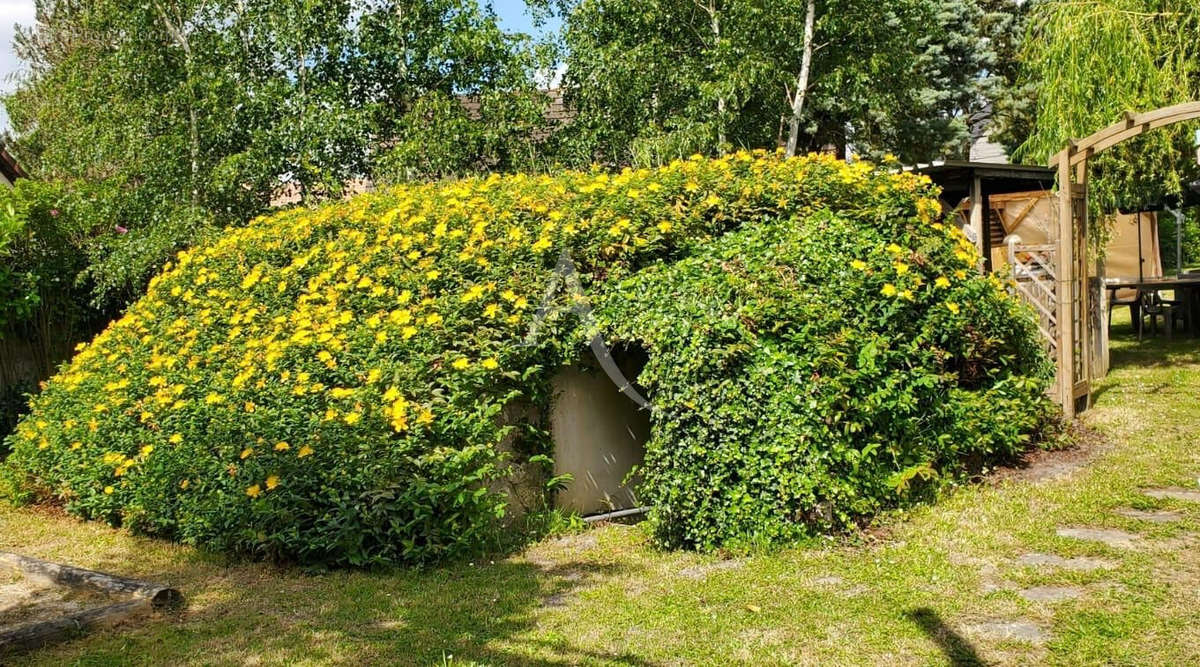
810, 17
714, 19
176, 32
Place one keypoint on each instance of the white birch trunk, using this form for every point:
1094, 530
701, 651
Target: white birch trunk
810, 16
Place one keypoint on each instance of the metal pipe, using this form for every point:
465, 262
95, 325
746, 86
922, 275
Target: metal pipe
616, 515
1141, 260
1178, 240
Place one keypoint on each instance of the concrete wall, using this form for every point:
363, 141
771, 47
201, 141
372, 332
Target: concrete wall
599, 436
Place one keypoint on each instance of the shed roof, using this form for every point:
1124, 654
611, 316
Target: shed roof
9, 167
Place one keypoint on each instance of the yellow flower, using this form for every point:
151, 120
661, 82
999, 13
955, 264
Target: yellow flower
108, 490
249, 406
888, 289
941, 282
253, 491
952, 307
373, 375
540, 245
907, 294
472, 294
352, 418
490, 364
901, 268
175, 439
858, 265
665, 226
184, 484
432, 319
247, 452
272, 482
399, 412
282, 446
461, 363
491, 310
304, 451
894, 249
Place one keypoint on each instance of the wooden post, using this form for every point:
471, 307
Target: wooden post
977, 214
1084, 282
1066, 274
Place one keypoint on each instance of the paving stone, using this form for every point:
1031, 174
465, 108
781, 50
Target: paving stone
1187, 495
1080, 563
1110, 536
1050, 593
1023, 631
1161, 516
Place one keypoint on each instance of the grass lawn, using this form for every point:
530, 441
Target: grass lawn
940, 584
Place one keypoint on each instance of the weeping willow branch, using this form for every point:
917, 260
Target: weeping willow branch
1092, 61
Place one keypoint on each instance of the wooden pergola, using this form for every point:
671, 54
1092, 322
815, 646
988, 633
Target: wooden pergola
1079, 337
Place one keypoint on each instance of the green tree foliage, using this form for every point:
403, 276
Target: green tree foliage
1011, 97
348, 384
190, 114
1090, 62
44, 229
653, 80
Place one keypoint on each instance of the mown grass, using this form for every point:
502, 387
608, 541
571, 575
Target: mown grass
908, 593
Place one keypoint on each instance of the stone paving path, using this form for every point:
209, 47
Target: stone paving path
1034, 633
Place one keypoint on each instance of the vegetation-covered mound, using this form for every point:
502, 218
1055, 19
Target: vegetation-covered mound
340, 385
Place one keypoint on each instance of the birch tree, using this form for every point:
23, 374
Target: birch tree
662, 78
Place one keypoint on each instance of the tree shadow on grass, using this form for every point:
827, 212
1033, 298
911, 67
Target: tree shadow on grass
957, 650
484, 612
1152, 351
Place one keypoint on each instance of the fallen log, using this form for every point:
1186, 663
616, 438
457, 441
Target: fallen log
143, 598
40, 634
160, 596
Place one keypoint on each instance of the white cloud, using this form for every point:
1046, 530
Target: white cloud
11, 13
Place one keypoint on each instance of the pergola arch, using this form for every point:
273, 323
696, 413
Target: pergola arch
1075, 364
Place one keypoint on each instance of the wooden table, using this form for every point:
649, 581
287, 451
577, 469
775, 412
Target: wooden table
1186, 288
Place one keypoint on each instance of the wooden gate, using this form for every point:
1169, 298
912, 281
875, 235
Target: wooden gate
1063, 296
1035, 271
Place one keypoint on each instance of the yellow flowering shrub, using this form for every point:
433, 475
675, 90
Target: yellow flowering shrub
333, 385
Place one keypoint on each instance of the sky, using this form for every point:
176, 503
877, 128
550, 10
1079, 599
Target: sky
512, 14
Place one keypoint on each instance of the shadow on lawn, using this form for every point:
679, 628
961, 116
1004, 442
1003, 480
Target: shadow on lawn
1151, 351
959, 652
253, 612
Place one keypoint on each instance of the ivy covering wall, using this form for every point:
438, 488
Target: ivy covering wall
331, 385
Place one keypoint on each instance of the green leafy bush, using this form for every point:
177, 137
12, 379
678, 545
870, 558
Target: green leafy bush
347, 384
44, 299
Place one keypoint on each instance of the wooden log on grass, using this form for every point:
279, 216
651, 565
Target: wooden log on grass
158, 595
142, 597
40, 634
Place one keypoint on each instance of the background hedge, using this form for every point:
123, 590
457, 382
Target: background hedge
334, 385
